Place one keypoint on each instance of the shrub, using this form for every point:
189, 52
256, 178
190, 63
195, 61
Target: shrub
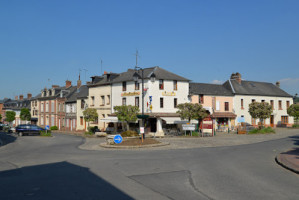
53, 128
262, 131
46, 133
93, 129
295, 126
194, 133
129, 133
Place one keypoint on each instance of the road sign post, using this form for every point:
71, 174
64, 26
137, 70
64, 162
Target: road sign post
118, 139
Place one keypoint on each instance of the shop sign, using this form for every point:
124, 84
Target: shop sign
168, 93
125, 94
188, 127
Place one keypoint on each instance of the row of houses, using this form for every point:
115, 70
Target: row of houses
228, 103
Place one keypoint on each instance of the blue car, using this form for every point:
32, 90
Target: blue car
26, 129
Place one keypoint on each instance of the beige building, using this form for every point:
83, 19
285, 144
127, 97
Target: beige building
218, 101
82, 99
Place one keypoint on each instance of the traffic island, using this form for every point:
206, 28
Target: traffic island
135, 143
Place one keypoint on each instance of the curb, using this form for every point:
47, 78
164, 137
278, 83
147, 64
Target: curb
134, 147
285, 164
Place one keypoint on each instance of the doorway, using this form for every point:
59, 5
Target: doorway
272, 121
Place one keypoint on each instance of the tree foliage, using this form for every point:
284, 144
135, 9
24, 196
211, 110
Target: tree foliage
25, 114
126, 113
260, 110
191, 111
0, 117
10, 116
293, 111
90, 114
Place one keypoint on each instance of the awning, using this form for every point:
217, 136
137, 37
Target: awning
223, 115
109, 119
177, 120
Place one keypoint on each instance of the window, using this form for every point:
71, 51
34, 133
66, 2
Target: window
47, 107
96, 120
242, 104
175, 103
253, 121
82, 103
136, 85
42, 120
35, 103
284, 119
108, 97
42, 109
103, 100
217, 105
226, 106
137, 101
280, 105
161, 103
288, 104
201, 99
52, 107
52, 121
263, 101
253, 100
124, 101
81, 121
124, 86
161, 84
272, 104
175, 85
92, 101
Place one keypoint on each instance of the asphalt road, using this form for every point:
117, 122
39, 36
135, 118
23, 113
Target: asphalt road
34, 167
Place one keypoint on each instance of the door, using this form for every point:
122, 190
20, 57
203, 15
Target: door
272, 120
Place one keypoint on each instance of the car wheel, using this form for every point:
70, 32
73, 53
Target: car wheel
20, 134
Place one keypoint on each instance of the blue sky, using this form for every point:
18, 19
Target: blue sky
46, 42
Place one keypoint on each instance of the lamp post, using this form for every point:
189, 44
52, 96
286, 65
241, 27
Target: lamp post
136, 76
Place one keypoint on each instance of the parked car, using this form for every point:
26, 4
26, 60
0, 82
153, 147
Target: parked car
26, 129
11, 130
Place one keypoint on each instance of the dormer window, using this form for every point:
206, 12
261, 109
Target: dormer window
175, 85
136, 85
161, 84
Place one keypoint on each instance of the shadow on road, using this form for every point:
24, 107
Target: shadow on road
294, 151
6, 138
60, 180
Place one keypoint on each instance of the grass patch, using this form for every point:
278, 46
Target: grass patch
261, 131
129, 133
87, 133
46, 134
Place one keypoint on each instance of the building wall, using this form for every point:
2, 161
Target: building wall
276, 112
103, 109
81, 126
152, 89
208, 102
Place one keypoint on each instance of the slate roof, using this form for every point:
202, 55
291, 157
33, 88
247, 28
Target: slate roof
159, 72
255, 88
105, 79
82, 92
57, 93
209, 89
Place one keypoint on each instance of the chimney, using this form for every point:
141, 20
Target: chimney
105, 72
16, 97
21, 97
88, 82
237, 76
278, 84
55, 86
68, 83
79, 83
29, 95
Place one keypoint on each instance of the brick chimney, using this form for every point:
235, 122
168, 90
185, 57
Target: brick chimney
29, 96
55, 86
79, 83
16, 97
237, 76
278, 84
68, 83
21, 97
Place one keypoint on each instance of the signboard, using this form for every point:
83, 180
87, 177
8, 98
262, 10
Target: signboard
141, 130
168, 93
47, 127
207, 126
188, 127
124, 94
241, 119
150, 98
117, 139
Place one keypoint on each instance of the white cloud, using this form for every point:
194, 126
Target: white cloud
216, 82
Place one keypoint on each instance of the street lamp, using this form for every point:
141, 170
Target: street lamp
136, 76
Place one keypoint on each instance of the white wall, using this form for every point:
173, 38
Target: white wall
276, 112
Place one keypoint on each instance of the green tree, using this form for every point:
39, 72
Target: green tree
261, 111
293, 111
186, 111
126, 114
25, 114
90, 114
199, 113
0, 117
10, 116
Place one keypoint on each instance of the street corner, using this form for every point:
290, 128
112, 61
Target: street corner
289, 160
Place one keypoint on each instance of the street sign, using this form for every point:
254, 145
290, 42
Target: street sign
150, 98
117, 139
188, 127
141, 130
47, 127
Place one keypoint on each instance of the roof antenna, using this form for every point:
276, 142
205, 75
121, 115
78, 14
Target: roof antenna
79, 73
137, 55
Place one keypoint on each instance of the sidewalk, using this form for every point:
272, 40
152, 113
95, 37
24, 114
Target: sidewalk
289, 160
199, 142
